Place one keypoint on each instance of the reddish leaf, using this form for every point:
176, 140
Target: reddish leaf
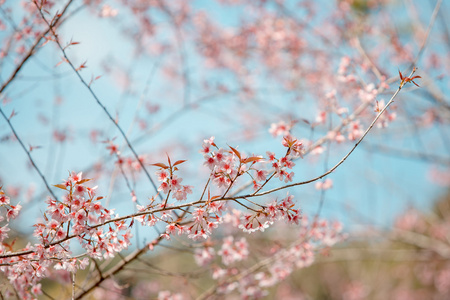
236, 152
83, 181
290, 142
400, 73
179, 162
61, 186
161, 165
252, 159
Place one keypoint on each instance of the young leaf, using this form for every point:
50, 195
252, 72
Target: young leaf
168, 159
179, 162
236, 152
83, 181
161, 165
401, 76
61, 186
252, 159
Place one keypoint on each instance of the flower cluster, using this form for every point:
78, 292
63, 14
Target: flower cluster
171, 183
295, 149
78, 215
280, 128
273, 211
233, 251
12, 211
368, 94
280, 262
227, 165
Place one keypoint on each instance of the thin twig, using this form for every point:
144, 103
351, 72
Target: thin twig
31, 51
119, 128
28, 153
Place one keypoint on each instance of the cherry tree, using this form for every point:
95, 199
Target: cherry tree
188, 149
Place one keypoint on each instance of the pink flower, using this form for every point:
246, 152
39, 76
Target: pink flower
271, 156
204, 256
288, 177
14, 212
260, 175
80, 216
256, 185
198, 214
206, 147
4, 199
171, 228
175, 182
113, 148
36, 289
74, 177
187, 189
60, 234
96, 207
219, 156
162, 175
227, 166
280, 128
180, 195
221, 181
210, 162
198, 235
80, 189
263, 226
53, 224
3, 232
164, 187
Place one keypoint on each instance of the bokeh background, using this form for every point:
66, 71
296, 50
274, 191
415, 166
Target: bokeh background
174, 73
